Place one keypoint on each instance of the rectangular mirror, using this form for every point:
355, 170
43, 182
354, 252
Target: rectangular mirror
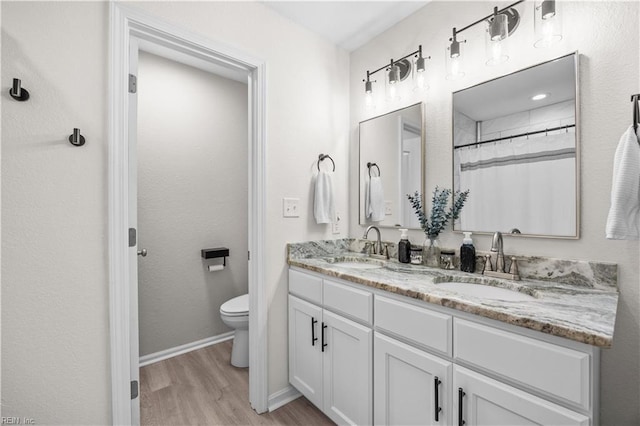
515, 147
391, 166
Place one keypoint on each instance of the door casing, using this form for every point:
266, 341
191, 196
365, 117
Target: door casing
125, 23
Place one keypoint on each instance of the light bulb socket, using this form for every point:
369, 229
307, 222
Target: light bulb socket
394, 74
498, 26
368, 87
548, 9
454, 49
420, 65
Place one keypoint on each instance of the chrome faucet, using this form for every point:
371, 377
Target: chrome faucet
377, 248
496, 247
499, 271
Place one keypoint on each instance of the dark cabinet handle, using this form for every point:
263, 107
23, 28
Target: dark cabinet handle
436, 405
461, 395
313, 331
324, 344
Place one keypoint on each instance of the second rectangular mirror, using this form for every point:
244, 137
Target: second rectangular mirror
515, 148
391, 166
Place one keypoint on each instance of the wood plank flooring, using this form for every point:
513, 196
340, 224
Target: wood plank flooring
203, 388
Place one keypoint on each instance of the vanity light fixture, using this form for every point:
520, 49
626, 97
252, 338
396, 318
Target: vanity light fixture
396, 71
547, 23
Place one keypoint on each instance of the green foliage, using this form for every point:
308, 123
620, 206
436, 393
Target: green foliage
439, 216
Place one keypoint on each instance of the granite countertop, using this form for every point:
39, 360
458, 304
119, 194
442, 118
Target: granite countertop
576, 300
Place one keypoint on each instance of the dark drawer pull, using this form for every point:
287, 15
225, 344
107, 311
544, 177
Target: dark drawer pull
461, 395
436, 405
313, 331
324, 344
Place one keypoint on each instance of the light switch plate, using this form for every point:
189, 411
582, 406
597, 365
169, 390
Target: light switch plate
291, 207
335, 226
388, 209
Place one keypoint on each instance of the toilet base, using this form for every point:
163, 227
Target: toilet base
240, 349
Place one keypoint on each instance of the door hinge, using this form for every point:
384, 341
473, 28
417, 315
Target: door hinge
133, 83
248, 255
134, 389
132, 237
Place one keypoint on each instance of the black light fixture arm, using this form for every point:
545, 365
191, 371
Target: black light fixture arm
456, 31
386, 66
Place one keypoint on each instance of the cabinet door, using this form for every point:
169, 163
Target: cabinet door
408, 382
484, 401
305, 357
347, 370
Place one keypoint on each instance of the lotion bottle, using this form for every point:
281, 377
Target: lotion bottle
467, 254
404, 247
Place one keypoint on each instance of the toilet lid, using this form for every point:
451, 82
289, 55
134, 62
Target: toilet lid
237, 305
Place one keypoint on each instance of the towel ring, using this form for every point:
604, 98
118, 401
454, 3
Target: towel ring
322, 157
370, 165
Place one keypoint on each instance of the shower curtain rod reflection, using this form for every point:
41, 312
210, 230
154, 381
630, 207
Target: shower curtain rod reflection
567, 127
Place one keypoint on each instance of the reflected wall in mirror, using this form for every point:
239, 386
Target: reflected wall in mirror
391, 166
515, 148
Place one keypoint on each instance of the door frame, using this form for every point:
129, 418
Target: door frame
124, 23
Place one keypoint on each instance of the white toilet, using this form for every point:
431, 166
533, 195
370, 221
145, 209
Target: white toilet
235, 314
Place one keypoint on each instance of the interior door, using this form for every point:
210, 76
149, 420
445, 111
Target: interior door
133, 224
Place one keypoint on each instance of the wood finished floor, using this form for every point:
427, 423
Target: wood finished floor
203, 388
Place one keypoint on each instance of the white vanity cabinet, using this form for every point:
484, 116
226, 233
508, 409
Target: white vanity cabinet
430, 365
330, 356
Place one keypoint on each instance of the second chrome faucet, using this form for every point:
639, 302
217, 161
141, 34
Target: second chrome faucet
499, 270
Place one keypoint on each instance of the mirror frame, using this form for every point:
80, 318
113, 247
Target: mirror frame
576, 64
423, 149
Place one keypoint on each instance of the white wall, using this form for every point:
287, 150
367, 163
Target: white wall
606, 35
55, 356
192, 194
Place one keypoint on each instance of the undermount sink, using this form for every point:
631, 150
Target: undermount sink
486, 291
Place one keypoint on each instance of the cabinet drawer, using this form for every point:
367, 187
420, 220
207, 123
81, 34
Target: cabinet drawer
306, 286
555, 370
350, 301
421, 326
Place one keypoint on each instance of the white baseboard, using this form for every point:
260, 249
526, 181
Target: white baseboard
183, 349
282, 397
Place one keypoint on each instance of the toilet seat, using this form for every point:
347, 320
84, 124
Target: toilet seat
236, 307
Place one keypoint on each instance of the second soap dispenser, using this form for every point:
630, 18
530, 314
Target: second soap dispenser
467, 254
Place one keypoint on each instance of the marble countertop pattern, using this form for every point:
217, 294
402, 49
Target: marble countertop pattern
581, 308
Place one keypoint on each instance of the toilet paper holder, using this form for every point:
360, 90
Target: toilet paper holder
213, 253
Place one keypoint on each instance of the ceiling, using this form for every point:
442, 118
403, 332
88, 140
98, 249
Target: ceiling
348, 24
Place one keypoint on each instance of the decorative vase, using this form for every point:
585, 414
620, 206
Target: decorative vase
431, 251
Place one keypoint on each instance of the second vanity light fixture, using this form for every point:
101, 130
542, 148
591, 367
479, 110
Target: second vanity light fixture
500, 25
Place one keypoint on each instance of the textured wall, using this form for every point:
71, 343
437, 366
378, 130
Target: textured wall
606, 35
55, 351
192, 194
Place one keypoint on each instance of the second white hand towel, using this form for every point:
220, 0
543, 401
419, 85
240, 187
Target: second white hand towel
324, 206
623, 222
375, 206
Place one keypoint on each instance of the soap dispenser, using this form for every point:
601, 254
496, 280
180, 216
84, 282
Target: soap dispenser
467, 254
404, 247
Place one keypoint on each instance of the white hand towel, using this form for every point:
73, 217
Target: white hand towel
375, 204
324, 207
623, 222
